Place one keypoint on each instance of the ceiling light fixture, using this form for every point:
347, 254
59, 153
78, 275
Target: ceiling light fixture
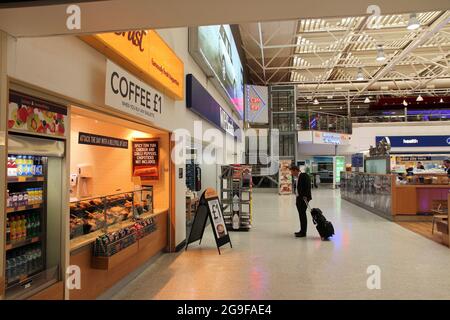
405, 103
367, 100
316, 102
419, 98
413, 23
360, 75
380, 53
441, 101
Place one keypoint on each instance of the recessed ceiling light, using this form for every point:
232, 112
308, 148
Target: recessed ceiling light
419, 98
360, 75
380, 53
316, 102
413, 23
320, 108
367, 100
358, 107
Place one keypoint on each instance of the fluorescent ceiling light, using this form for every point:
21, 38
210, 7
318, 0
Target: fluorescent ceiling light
360, 75
405, 103
413, 23
419, 98
380, 53
316, 102
367, 100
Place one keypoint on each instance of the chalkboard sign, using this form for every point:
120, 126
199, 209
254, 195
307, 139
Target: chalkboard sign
146, 159
209, 205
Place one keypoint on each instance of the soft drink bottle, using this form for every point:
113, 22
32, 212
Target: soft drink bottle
8, 231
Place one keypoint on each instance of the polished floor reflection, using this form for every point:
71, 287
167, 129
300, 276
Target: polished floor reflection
269, 263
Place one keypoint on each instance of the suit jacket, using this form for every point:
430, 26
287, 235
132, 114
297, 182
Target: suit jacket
304, 186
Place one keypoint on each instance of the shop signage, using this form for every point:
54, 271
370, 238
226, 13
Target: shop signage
103, 141
413, 158
144, 52
256, 107
339, 166
145, 159
128, 94
417, 141
202, 103
319, 137
36, 116
209, 206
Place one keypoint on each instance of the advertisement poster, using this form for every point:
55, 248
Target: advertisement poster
146, 159
34, 115
339, 166
218, 222
216, 45
285, 177
256, 106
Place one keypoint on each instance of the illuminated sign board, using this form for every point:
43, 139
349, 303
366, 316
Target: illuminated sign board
256, 107
145, 53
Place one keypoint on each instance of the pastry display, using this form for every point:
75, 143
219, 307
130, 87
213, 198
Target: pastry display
94, 214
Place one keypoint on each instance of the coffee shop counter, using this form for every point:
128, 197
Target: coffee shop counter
98, 274
418, 199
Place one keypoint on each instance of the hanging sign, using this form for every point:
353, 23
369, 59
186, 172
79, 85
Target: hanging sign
102, 141
145, 159
209, 206
128, 94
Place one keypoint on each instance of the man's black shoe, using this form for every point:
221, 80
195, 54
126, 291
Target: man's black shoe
300, 234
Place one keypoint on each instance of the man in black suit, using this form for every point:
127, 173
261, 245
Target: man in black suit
303, 195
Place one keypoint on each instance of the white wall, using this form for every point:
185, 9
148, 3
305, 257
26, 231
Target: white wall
364, 135
67, 66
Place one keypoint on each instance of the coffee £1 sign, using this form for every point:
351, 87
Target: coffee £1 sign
128, 94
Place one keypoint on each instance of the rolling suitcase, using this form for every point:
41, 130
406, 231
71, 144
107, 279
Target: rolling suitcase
323, 226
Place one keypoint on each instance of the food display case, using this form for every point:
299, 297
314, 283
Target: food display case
100, 213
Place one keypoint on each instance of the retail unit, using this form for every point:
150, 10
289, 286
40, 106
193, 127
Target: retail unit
236, 196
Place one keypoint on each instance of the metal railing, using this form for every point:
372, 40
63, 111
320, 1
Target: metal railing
400, 118
322, 121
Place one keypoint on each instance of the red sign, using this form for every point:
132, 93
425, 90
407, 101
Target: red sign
146, 159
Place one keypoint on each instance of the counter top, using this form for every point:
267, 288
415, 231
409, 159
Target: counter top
87, 239
424, 186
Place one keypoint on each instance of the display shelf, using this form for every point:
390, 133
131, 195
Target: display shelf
24, 208
26, 179
236, 196
10, 246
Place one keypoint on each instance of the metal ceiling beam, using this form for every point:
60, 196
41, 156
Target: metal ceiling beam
261, 44
440, 23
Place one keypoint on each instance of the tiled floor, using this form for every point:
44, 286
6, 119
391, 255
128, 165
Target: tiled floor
269, 263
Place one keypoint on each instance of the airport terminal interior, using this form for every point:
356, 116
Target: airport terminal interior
261, 152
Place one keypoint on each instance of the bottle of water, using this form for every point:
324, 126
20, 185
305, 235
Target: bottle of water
12, 270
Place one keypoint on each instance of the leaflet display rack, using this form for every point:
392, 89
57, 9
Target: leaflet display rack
236, 196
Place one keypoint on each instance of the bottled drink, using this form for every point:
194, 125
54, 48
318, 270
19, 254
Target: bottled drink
33, 166
13, 166
23, 223
8, 231
37, 225
29, 227
39, 167
19, 166
12, 270
38, 259
25, 198
9, 166
29, 165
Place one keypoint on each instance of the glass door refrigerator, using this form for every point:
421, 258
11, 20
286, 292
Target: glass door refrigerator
33, 214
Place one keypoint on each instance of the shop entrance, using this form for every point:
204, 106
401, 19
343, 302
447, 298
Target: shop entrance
119, 197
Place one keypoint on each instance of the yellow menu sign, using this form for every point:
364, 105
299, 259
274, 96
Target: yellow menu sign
145, 53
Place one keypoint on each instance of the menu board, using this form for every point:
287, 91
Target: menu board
146, 159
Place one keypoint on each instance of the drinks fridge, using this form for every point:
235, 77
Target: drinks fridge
33, 214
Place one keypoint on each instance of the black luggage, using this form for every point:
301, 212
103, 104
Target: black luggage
323, 226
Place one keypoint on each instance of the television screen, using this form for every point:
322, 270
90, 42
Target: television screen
214, 49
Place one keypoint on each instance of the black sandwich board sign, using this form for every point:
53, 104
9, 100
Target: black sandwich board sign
209, 205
